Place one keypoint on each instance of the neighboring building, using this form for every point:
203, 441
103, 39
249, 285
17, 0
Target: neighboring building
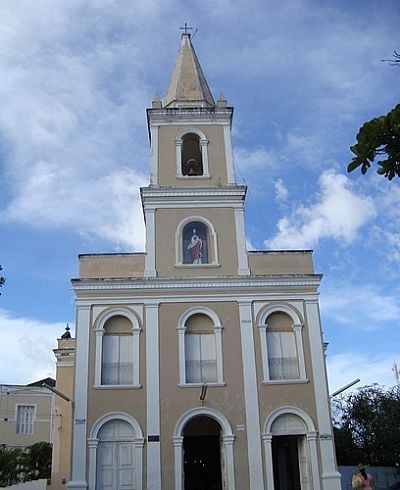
199, 364
26, 413
63, 408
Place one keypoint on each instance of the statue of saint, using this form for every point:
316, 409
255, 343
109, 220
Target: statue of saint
195, 246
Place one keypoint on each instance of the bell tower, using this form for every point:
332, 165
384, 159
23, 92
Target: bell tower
193, 207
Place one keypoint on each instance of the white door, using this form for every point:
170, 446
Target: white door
115, 466
126, 472
115, 457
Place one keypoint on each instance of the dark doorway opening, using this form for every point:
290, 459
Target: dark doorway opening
202, 454
285, 459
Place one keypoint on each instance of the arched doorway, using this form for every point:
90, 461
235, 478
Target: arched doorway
291, 451
115, 458
202, 454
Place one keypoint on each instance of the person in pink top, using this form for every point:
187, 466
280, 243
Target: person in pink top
362, 479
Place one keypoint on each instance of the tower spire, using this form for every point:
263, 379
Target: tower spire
188, 86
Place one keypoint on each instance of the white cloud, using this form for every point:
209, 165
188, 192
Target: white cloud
26, 348
69, 121
338, 214
281, 191
258, 159
344, 368
361, 306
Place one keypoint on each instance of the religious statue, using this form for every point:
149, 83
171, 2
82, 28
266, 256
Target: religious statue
195, 246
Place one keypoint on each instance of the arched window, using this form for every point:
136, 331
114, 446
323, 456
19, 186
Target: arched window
195, 240
282, 346
200, 348
117, 349
192, 160
117, 356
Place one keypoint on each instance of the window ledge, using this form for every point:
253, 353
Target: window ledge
285, 381
193, 177
117, 387
199, 385
197, 266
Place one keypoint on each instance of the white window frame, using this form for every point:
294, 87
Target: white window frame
181, 328
203, 149
212, 244
18, 424
297, 331
99, 331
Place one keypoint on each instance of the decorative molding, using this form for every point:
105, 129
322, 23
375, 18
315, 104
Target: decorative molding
294, 281
233, 191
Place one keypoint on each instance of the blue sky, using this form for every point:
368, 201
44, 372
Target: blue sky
75, 80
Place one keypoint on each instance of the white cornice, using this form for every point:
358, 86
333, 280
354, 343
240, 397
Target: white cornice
194, 196
161, 117
291, 282
198, 191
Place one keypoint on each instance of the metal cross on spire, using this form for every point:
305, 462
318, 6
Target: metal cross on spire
186, 29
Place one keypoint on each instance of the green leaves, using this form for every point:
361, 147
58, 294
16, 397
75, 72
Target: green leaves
376, 138
20, 465
367, 426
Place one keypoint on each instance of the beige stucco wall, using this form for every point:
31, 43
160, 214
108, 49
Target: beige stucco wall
12, 397
166, 226
111, 265
167, 156
62, 427
281, 262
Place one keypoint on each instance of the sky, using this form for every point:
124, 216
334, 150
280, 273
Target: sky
75, 80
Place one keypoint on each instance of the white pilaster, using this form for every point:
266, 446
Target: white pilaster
264, 352
178, 454
298, 327
178, 156
153, 397
243, 265
204, 156
251, 397
269, 467
329, 474
154, 155
79, 411
312, 444
227, 443
93, 446
98, 361
150, 260
139, 443
228, 153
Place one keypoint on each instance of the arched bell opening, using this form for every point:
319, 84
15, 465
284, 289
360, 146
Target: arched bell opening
192, 160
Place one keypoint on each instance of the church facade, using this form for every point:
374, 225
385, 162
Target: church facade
199, 365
